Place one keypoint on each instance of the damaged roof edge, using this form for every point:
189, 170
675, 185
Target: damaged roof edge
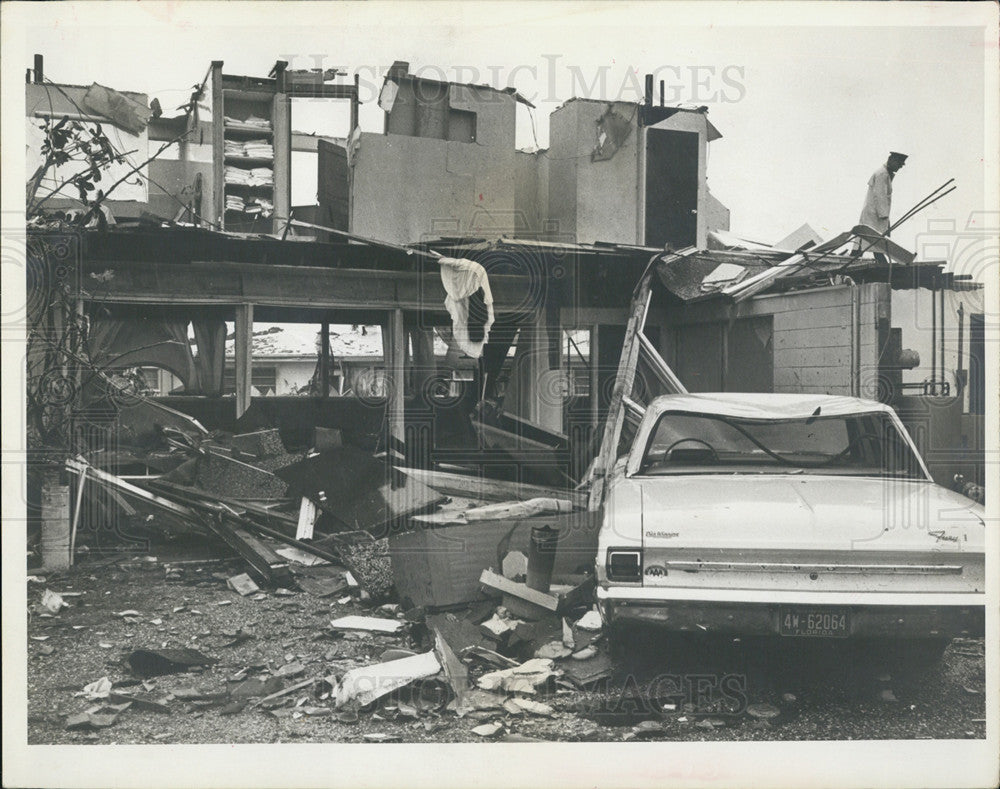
510, 91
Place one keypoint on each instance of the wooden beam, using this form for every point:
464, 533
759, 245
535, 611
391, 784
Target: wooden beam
479, 487
625, 378
666, 377
595, 377
223, 282
623, 388
354, 103
266, 565
281, 120
244, 357
394, 343
324, 359
218, 147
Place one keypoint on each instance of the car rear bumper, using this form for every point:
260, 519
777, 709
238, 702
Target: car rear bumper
864, 615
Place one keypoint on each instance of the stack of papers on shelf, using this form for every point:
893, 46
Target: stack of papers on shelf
237, 175
262, 176
259, 206
257, 176
235, 203
260, 123
256, 148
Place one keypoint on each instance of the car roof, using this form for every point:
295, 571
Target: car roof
753, 405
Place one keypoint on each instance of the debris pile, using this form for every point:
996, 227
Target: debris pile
471, 602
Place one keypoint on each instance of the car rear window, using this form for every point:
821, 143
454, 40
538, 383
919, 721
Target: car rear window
852, 444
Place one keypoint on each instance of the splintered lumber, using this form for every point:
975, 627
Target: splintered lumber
879, 243
264, 563
454, 669
366, 684
236, 510
170, 488
486, 489
179, 512
307, 520
625, 378
740, 291
518, 509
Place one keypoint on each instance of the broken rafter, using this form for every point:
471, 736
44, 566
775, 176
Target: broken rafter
365, 240
266, 565
239, 512
480, 487
619, 406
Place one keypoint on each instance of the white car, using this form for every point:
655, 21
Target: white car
802, 516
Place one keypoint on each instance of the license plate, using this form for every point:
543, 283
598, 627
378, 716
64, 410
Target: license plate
817, 623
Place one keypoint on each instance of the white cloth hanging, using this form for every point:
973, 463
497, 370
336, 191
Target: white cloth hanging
461, 278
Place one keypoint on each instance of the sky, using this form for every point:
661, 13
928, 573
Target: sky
809, 101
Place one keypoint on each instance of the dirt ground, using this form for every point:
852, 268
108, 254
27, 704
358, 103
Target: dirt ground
669, 688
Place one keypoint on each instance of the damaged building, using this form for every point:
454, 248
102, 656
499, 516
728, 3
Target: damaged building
450, 306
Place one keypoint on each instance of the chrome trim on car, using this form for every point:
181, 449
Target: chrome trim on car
661, 595
791, 567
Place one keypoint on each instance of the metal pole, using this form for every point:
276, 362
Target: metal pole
941, 310
933, 338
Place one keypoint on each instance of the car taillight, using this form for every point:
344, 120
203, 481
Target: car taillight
624, 564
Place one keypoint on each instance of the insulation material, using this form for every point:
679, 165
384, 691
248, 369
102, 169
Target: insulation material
387, 96
126, 113
613, 130
465, 283
723, 274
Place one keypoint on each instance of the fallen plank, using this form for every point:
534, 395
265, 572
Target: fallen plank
519, 509
525, 602
454, 669
179, 511
486, 489
496, 581
370, 624
265, 564
307, 520
241, 506
636, 350
238, 510
740, 291
285, 691
441, 567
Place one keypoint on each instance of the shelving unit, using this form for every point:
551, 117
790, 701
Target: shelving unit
236, 100
240, 98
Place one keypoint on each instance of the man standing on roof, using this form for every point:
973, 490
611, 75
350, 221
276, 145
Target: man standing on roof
878, 201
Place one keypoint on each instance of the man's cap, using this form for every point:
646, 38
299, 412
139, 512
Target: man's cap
896, 155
